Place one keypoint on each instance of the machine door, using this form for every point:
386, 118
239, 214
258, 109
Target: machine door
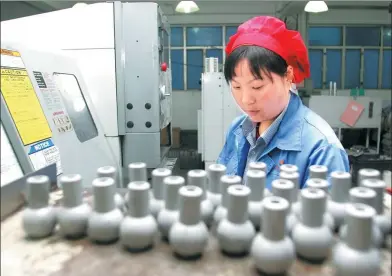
48, 106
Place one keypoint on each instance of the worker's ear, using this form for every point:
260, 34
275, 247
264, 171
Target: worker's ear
290, 74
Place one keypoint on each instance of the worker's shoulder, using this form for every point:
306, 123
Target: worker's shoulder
315, 126
237, 122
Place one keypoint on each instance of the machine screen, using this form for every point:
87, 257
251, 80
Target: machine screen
76, 106
10, 168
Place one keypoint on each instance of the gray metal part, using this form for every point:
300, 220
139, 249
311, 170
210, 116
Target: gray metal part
14, 138
142, 147
169, 163
142, 68
12, 194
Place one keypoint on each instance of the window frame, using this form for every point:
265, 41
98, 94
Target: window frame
204, 49
324, 85
344, 48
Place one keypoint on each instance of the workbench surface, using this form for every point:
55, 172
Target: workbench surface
55, 256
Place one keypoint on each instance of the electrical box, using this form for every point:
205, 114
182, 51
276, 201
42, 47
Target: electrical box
218, 110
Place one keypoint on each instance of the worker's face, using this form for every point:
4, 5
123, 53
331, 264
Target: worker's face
262, 100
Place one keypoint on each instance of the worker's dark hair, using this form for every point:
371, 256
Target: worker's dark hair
260, 59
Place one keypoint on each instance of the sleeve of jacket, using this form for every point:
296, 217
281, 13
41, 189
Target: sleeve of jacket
332, 156
222, 158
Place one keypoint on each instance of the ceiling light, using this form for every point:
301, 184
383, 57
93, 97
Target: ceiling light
187, 7
79, 5
316, 6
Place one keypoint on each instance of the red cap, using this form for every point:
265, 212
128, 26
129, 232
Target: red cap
271, 33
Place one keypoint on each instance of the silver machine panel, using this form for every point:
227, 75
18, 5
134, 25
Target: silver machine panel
145, 106
218, 110
122, 51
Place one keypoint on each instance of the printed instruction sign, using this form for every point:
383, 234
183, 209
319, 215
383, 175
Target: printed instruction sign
53, 101
10, 168
21, 100
44, 154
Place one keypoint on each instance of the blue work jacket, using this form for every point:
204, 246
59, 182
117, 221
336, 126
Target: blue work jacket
303, 138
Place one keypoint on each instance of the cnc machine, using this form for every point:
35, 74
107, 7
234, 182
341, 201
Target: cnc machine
48, 122
122, 50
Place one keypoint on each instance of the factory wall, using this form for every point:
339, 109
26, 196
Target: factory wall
187, 98
352, 16
187, 101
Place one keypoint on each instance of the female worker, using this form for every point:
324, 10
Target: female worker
264, 59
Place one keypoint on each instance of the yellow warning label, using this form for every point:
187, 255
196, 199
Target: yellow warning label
24, 106
10, 53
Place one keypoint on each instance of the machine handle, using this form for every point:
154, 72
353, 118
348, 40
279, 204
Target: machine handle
163, 91
371, 109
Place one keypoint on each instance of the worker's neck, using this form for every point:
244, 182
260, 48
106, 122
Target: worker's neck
264, 125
